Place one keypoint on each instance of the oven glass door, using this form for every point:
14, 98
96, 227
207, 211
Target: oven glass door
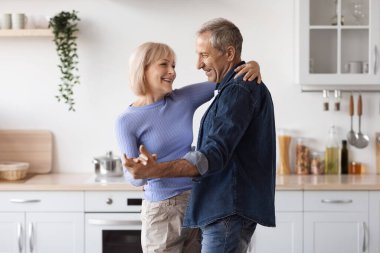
113, 232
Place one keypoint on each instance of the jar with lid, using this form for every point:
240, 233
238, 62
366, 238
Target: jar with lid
302, 157
332, 153
317, 164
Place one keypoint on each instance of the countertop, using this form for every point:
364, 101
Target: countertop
85, 182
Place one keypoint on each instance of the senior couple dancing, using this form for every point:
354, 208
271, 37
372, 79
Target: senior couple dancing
211, 198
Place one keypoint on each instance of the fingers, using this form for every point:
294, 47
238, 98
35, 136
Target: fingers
259, 79
239, 68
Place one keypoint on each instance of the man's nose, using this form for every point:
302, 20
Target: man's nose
200, 63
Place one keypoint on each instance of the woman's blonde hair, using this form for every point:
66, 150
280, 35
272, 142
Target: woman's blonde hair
141, 58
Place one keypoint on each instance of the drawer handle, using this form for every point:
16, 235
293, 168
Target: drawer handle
336, 201
114, 222
25, 201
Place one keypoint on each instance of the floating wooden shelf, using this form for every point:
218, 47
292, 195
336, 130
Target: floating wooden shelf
26, 33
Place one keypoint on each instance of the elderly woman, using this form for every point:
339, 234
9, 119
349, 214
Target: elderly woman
161, 119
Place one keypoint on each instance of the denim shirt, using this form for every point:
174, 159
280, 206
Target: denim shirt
237, 140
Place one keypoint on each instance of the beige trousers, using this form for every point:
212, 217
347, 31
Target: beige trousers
161, 227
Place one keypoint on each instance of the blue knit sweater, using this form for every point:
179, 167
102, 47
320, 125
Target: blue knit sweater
165, 128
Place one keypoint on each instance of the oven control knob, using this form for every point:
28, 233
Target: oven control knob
109, 201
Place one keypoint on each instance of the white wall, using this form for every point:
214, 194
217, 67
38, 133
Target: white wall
111, 29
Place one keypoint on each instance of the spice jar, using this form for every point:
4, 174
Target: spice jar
317, 164
302, 157
355, 168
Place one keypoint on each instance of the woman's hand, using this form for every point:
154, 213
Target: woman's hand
251, 70
142, 166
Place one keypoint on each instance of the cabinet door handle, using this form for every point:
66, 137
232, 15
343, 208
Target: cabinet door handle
364, 248
375, 62
31, 237
101, 222
22, 201
19, 237
336, 201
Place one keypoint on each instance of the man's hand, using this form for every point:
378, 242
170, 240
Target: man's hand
251, 70
142, 166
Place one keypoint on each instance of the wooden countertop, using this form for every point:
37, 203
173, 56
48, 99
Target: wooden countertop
85, 182
64, 182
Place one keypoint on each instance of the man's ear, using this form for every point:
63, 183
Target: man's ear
230, 53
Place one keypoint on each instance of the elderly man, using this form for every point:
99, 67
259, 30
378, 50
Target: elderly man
234, 164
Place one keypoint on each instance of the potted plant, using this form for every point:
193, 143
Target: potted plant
64, 25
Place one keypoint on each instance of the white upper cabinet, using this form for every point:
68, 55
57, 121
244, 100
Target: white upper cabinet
338, 44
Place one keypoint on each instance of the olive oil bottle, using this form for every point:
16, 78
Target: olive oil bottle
332, 153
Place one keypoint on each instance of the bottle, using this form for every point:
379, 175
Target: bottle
344, 158
332, 161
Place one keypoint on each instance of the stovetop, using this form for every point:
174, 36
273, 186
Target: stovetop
107, 179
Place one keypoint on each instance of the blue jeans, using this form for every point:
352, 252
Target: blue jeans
228, 235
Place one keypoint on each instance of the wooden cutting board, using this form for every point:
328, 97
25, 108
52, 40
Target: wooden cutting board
378, 153
32, 146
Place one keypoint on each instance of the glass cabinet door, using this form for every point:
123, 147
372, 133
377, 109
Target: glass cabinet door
339, 42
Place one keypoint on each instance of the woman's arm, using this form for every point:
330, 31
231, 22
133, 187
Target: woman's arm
200, 93
127, 143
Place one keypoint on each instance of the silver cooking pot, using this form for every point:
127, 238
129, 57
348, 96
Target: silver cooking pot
108, 166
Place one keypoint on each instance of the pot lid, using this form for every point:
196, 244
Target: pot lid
108, 157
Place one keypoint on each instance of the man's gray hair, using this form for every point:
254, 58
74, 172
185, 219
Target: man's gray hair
223, 34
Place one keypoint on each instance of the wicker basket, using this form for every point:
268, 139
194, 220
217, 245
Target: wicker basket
13, 170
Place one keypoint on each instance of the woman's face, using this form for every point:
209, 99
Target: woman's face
160, 76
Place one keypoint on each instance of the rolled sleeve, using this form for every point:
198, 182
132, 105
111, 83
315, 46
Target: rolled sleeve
197, 159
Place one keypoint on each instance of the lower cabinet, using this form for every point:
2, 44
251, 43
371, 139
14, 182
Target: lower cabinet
287, 236
374, 222
41, 222
336, 222
41, 232
321, 222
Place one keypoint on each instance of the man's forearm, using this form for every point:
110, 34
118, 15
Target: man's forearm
177, 168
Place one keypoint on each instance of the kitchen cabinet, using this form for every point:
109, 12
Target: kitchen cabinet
288, 232
336, 222
42, 222
338, 44
26, 33
374, 221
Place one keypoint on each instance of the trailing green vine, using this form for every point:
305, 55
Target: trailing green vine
64, 26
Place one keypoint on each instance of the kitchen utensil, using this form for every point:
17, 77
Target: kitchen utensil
378, 153
351, 135
108, 166
362, 139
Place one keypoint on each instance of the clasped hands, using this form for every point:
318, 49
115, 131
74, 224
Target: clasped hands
143, 166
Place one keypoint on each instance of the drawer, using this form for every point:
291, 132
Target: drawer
346, 201
289, 201
40, 201
113, 201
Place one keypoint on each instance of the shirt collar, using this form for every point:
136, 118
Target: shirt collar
230, 74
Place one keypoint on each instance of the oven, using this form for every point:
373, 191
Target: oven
113, 223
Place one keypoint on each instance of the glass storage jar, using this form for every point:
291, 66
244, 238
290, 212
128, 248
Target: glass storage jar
302, 157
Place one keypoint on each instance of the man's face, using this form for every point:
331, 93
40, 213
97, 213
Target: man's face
213, 62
